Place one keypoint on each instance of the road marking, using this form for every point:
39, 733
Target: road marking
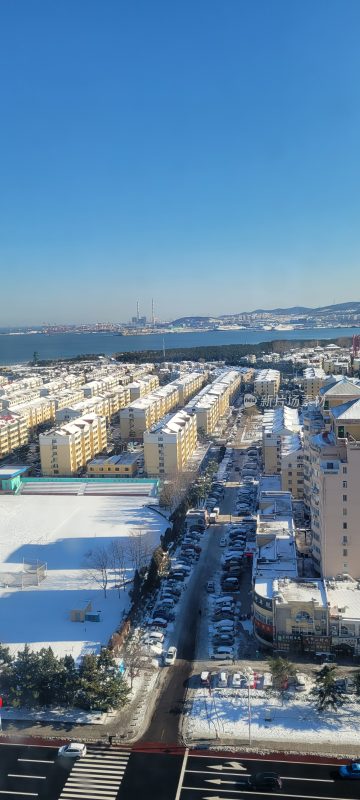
235, 765
182, 773
265, 794
35, 777
22, 794
194, 754
220, 781
318, 780
206, 772
36, 761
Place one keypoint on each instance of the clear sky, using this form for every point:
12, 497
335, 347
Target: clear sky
203, 152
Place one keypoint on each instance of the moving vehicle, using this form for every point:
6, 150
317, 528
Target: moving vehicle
170, 656
265, 780
223, 542
350, 771
72, 750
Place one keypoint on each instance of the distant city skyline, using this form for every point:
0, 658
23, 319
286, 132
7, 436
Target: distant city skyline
204, 154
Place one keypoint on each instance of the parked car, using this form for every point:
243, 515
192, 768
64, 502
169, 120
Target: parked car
210, 586
72, 750
205, 678
170, 656
236, 680
223, 541
222, 680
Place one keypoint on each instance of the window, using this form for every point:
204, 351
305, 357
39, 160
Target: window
344, 498
344, 512
344, 484
344, 526
344, 470
345, 552
344, 539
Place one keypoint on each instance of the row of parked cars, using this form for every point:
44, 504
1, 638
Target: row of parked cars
160, 624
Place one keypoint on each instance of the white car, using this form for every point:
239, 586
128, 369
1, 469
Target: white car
170, 656
223, 679
72, 750
223, 542
236, 680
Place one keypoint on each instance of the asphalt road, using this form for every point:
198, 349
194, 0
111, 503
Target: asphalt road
28, 771
31, 772
164, 726
199, 775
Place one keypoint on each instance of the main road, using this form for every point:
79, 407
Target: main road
198, 775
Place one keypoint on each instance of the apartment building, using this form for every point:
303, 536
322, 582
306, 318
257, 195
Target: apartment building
65, 450
169, 444
281, 431
313, 380
189, 384
124, 465
142, 414
267, 383
143, 386
212, 403
292, 466
35, 412
337, 390
14, 433
335, 493
313, 423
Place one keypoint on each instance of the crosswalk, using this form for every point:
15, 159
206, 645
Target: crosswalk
96, 776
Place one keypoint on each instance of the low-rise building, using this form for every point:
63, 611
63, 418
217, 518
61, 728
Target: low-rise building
124, 465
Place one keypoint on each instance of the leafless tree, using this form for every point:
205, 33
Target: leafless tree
133, 656
139, 549
117, 561
99, 564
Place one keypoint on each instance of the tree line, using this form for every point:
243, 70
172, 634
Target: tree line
41, 679
229, 353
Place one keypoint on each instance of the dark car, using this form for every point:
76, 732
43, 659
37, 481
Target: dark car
265, 780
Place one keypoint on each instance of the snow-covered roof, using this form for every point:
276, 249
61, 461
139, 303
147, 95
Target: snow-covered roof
344, 598
347, 411
345, 386
302, 590
281, 420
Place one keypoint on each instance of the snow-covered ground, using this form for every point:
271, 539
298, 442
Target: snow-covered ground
224, 715
63, 531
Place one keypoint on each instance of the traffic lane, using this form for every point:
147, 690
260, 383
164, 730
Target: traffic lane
233, 793
151, 775
32, 771
299, 779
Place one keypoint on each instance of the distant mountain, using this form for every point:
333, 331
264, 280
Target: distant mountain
352, 307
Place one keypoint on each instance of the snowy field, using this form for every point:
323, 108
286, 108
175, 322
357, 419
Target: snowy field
63, 532
224, 715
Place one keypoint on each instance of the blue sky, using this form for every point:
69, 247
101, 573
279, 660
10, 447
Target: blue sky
201, 152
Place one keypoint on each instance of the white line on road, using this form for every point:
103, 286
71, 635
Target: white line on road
193, 754
35, 777
36, 761
182, 773
313, 780
22, 794
266, 794
206, 772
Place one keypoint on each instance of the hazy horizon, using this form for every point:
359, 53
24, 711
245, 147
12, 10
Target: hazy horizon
203, 154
